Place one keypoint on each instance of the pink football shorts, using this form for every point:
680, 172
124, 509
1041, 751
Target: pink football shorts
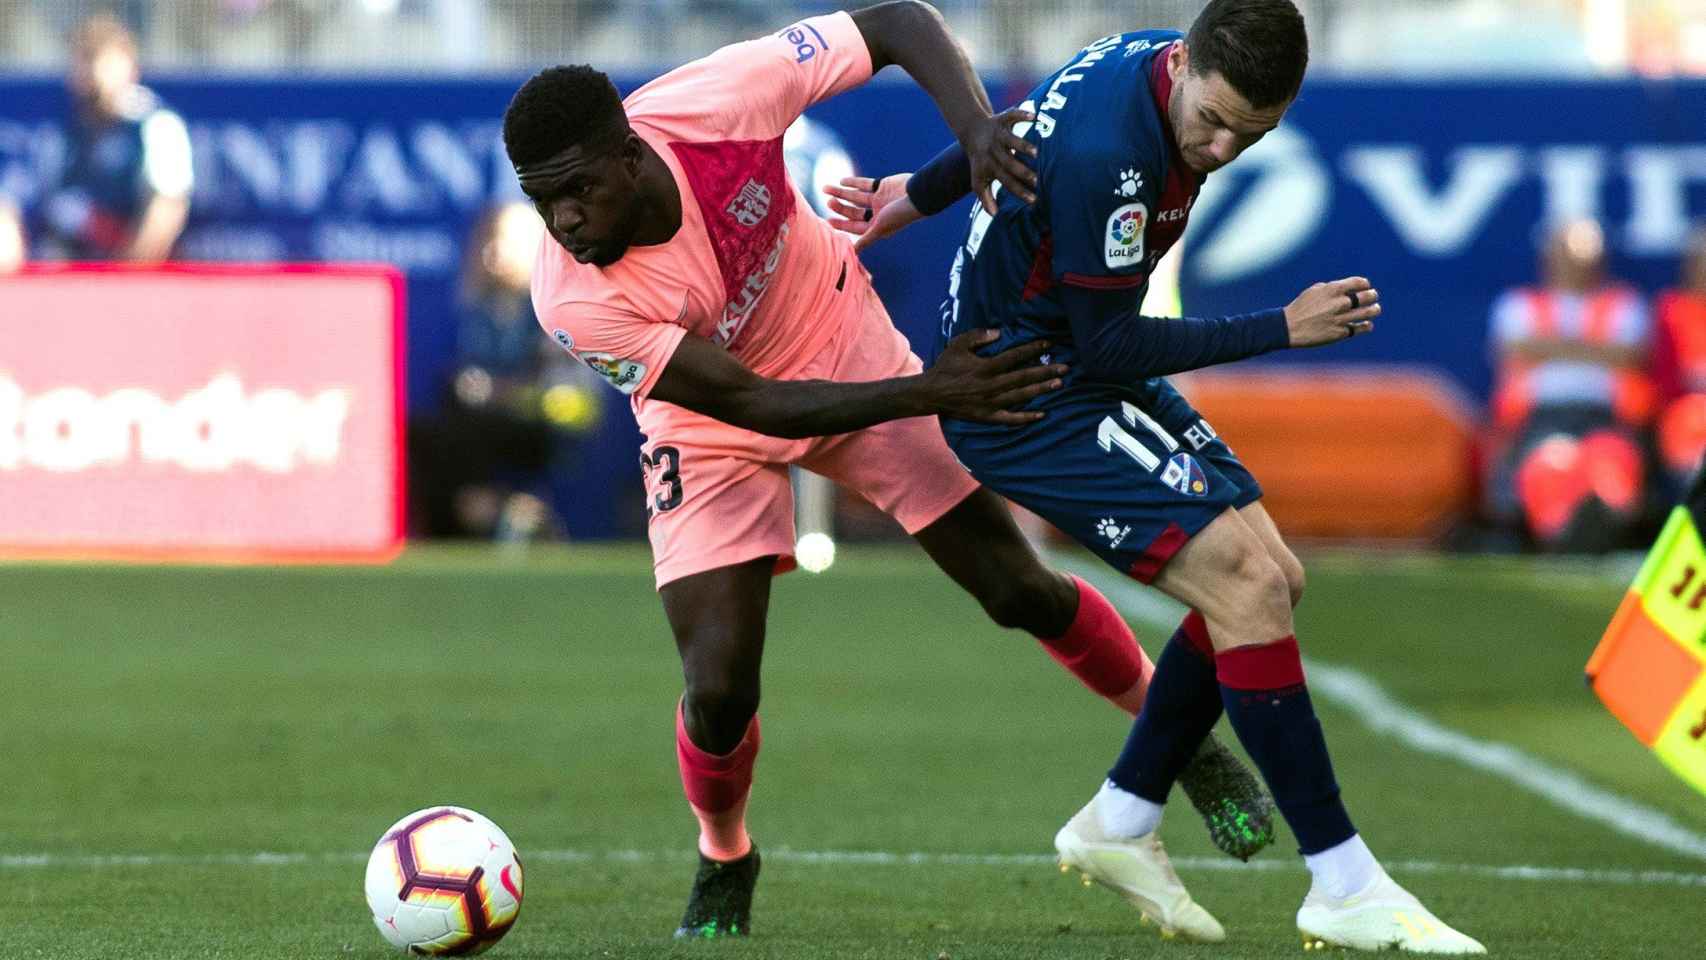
719, 495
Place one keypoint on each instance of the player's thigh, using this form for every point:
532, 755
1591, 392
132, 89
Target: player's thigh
1256, 516
1225, 573
718, 618
1105, 472
708, 509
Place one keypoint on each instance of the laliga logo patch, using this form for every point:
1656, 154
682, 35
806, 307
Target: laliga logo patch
624, 375
1124, 238
1183, 475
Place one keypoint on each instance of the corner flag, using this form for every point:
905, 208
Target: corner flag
1650, 667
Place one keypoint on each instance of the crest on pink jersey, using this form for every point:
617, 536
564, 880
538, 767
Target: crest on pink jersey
750, 205
746, 203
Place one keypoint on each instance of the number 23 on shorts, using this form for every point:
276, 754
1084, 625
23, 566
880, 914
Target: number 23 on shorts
667, 481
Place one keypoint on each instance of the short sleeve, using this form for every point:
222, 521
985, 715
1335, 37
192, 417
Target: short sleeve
628, 351
778, 76
166, 163
1099, 207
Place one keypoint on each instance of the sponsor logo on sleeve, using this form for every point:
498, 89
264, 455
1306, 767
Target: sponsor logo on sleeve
563, 339
806, 40
1131, 181
624, 375
1123, 239
1185, 475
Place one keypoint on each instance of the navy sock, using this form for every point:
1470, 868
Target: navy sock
1268, 705
1181, 707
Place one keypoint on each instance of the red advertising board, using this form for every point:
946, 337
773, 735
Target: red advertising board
202, 412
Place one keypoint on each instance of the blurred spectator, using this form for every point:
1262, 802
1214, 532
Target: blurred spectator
13, 244
1680, 368
1572, 400
125, 191
479, 466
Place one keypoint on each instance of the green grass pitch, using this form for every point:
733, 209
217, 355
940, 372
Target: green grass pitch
162, 727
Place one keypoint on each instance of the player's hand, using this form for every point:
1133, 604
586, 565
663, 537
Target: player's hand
1329, 312
871, 209
994, 151
966, 386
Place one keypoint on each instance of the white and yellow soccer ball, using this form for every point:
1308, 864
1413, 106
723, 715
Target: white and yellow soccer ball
444, 880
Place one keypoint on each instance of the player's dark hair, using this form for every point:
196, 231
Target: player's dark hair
1259, 46
562, 107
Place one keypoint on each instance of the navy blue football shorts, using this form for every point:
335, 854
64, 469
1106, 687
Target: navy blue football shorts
1130, 472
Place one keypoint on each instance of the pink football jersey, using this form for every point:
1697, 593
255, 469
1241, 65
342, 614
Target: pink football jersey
752, 268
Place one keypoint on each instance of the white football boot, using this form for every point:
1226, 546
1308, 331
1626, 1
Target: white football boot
1137, 870
1384, 916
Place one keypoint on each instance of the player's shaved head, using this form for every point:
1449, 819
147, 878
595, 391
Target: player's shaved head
1259, 46
563, 107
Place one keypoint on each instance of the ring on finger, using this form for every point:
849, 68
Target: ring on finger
1355, 303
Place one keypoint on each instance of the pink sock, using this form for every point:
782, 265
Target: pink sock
1102, 652
717, 789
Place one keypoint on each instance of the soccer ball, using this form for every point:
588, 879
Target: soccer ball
444, 880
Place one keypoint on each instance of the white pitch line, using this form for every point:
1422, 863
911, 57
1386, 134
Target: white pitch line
1355, 691
857, 858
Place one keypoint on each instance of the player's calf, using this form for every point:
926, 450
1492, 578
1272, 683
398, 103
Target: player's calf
1099, 648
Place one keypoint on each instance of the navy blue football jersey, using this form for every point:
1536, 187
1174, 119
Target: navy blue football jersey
1113, 197
114, 167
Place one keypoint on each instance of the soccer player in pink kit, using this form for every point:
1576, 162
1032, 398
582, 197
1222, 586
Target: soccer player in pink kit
684, 268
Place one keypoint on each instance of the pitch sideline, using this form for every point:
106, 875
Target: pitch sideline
869, 858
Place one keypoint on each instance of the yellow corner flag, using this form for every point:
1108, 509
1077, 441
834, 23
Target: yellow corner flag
1650, 667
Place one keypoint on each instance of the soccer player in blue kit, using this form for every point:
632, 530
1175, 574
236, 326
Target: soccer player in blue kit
1119, 142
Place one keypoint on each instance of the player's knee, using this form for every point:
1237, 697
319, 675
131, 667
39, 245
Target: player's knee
1292, 568
717, 705
1267, 594
717, 715
1037, 601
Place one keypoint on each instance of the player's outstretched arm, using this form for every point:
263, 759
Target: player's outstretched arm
912, 35
1118, 345
705, 378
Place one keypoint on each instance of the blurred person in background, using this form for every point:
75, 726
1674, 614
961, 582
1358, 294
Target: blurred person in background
1572, 400
480, 466
13, 244
1679, 369
125, 191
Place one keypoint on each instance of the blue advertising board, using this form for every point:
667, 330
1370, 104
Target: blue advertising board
1436, 191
